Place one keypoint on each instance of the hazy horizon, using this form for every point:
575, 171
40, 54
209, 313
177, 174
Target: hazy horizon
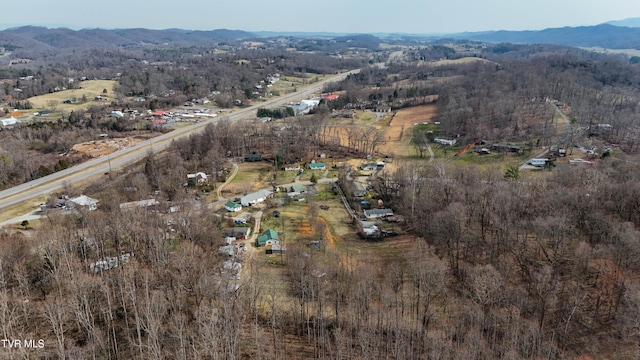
330, 16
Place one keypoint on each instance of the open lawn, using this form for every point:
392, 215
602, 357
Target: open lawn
90, 89
365, 117
306, 175
251, 177
286, 177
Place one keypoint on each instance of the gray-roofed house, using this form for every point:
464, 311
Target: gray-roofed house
255, 197
239, 233
377, 213
83, 201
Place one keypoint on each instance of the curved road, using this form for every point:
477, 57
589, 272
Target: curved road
45, 185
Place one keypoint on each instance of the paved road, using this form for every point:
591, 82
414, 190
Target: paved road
98, 167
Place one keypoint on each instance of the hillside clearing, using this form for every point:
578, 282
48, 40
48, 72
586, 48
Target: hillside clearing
89, 89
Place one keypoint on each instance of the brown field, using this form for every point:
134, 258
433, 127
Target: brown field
400, 129
103, 147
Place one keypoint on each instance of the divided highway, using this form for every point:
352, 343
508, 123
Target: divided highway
97, 167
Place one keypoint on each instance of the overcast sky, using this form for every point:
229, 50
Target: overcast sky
352, 16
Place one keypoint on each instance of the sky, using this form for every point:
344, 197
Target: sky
340, 16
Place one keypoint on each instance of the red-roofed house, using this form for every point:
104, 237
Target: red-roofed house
158, 113
332, 97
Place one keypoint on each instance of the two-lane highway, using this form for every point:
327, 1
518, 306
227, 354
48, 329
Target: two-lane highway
97, 167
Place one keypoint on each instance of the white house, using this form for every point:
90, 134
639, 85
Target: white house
255, 197
198, 178
292, 167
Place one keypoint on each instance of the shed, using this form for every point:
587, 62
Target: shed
275, 249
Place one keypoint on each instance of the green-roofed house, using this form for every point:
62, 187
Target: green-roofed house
232, 207
267, 235
317, 166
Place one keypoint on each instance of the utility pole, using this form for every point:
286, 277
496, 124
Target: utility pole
109, 160
282, 239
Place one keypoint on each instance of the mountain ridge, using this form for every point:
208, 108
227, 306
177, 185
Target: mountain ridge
603, 35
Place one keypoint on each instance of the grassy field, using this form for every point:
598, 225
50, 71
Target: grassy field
306, 175
364, 117
89, 89
22, 208
288, 84
250, 177
286, 177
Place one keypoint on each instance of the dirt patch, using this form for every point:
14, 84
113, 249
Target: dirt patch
305, 228
103, 147
331, 243
306, 231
